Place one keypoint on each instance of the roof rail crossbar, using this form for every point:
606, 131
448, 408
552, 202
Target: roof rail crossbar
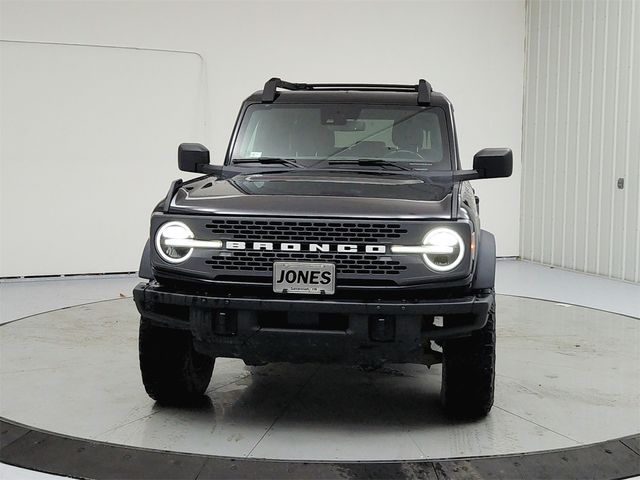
367, 86
269, 90
423, 88
424, 92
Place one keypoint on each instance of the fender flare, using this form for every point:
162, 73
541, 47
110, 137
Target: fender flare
485, 274
145, 270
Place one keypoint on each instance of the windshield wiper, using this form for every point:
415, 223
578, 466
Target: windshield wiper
267, 161
368, 162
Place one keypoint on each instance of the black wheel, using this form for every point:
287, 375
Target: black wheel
468, 372
172, 371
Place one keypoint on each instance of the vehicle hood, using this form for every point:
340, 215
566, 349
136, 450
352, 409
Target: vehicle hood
319, 194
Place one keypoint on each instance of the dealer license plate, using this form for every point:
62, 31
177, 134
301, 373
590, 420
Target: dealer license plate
304, 277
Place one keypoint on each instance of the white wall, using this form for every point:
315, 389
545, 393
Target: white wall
473, 51
582, 133
88, 144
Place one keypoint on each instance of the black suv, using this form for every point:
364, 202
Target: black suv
341, 228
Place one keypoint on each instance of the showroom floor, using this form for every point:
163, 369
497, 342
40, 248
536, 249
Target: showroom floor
563, 380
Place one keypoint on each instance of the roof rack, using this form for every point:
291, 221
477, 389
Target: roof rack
423, 88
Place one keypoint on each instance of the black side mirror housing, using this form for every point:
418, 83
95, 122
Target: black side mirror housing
493, 162
192, 157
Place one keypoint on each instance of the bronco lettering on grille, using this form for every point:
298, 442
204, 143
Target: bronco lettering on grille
305, 247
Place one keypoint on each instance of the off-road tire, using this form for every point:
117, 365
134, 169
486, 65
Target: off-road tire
173, 373
468, 372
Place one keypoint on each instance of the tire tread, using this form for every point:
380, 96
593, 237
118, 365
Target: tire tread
172, 371
468, 372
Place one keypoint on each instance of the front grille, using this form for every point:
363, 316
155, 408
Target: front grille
346, 263
305, 231
258, 243
258, 264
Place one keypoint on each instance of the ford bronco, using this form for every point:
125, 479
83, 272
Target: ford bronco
341, 228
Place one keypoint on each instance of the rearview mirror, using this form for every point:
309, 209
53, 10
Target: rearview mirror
493, 162
192, 157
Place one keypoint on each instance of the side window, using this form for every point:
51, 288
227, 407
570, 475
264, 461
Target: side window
267, 134
249, 137
432, 147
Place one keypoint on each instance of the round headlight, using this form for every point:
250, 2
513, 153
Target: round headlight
446, 249
173, 231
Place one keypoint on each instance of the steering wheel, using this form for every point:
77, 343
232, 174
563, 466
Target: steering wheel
395, 153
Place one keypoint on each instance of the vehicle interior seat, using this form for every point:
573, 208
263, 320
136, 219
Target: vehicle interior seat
273, 139
313, 140
414, 135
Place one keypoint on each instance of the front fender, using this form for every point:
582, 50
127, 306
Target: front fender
485, 274
145, 270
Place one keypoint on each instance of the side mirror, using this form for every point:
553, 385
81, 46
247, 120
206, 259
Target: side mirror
493, 162
192, 157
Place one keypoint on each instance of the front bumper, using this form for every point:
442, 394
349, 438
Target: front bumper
262, 330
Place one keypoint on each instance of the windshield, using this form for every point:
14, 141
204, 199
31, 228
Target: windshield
325, 134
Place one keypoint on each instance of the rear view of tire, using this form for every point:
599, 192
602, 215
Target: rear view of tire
468, 372
173, 373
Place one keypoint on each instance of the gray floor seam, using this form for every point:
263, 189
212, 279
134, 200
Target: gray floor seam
408, 431
630, 447
578, 443
116, 428
284, 410
5, 445
204, 464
